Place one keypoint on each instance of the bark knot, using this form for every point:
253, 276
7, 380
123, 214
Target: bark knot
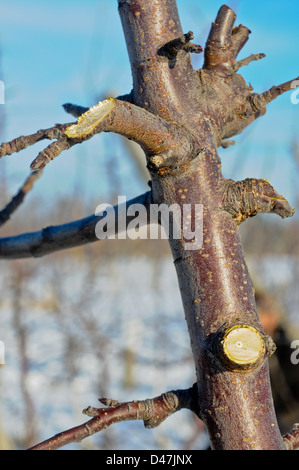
247, 198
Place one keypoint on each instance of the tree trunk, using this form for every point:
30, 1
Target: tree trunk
180, 116
235, 399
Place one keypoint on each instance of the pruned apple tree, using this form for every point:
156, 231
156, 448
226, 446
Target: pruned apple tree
180, 117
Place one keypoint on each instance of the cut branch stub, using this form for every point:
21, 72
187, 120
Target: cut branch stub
242, 348
218, 50
247, 198
89, 121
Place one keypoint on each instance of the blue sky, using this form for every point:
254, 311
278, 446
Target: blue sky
74, 51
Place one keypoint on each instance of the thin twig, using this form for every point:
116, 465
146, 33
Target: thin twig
241, 63
22, 142
227, 143
77, 110
151, 411
17, 200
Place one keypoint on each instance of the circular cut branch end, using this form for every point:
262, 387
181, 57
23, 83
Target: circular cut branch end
242, 347
90, 120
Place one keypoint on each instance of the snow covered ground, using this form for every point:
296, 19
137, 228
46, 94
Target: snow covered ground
75, 331
83, 334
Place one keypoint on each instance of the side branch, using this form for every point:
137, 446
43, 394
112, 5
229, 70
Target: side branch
243, 199
151, 411
60, 237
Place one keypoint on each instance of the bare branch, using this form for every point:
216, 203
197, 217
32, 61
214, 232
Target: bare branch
151, 411
154, 134
19, 197
60, 237
291, 439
